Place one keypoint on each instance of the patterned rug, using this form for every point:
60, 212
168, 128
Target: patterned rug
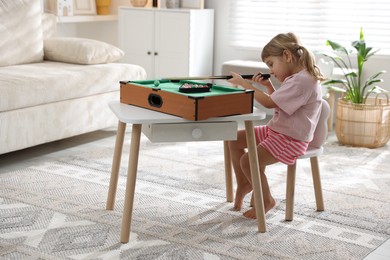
56, 210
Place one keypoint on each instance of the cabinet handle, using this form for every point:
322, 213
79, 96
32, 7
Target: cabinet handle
156, 53
149, 52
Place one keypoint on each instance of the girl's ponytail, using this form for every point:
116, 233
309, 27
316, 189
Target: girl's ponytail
307, 60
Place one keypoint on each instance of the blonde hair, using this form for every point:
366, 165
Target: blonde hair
301, 55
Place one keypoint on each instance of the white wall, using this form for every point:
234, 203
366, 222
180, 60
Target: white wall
222, 50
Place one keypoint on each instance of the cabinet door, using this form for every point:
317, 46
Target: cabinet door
136, 38
172, 43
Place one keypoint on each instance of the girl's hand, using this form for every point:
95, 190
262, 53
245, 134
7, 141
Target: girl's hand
259, 79
236, 79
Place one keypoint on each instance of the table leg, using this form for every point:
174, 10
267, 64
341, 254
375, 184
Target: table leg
228, 172
255, 174
130, 183
116, 163
332, 99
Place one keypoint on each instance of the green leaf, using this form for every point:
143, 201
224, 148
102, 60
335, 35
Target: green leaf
372, 53
356, 89
351, 74
377, 74
337, 47
334, 81
361, 37
378, 90
373, 81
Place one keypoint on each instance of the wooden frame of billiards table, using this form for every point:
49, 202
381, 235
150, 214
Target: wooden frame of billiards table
188, 107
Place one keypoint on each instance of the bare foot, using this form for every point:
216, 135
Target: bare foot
250, 213
240, 195
268, 205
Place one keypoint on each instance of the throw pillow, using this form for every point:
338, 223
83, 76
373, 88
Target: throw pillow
80, 51
20, 32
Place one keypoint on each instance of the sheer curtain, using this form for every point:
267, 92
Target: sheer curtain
253, 23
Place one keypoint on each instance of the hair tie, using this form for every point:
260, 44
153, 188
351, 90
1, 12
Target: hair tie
298, 48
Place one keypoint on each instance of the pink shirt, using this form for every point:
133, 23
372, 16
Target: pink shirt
299, 106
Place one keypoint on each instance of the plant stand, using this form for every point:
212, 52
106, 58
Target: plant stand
363, 125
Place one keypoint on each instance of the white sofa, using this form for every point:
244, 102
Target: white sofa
50, 87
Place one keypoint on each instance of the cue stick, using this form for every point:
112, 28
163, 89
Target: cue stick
265, 76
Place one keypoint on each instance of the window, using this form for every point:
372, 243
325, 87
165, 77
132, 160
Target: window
254, 22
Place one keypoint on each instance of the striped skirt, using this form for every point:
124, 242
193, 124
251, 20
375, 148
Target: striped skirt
282, 147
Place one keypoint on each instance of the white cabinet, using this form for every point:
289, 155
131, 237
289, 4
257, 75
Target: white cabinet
168, 42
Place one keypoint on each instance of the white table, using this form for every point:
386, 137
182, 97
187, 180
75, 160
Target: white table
184, 130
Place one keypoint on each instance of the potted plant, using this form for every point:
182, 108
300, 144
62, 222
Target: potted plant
361, 119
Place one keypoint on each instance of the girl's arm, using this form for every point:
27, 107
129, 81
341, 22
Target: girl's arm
263, 98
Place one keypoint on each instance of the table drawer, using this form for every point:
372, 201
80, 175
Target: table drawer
187, 132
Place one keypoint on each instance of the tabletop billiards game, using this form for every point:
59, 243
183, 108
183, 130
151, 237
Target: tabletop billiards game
192, 100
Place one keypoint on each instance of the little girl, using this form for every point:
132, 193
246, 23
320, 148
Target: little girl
297, 107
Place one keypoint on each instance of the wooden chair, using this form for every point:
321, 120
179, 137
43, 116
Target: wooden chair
314, 150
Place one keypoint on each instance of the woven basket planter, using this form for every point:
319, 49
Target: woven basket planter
363, 125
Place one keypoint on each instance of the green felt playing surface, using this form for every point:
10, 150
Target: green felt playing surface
170, 86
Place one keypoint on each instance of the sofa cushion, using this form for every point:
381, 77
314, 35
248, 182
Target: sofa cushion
49, 25
80, 51
35, 84
21, 32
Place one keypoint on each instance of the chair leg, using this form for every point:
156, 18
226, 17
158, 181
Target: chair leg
290, 189
315, 170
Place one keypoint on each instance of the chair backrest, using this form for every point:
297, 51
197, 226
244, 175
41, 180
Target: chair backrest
321, 131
